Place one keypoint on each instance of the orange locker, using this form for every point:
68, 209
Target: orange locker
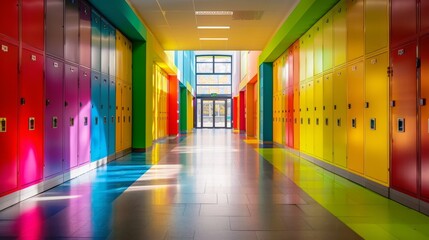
355, 34
355, 124
340, 117
328, 122
340, 33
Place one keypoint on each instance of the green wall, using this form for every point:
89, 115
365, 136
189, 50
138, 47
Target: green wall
266, 102
183, 110
139, 96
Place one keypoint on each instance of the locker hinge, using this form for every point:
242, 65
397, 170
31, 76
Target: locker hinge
418, 63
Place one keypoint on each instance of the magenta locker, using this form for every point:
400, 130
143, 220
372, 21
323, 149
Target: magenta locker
8, 117
85, 34
53, 117
33, 23
31, 123
9, 19
71, 76
84, 115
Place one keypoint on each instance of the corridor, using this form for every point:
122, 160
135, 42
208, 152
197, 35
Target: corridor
211, 184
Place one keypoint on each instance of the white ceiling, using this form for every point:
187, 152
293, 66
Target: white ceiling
174, 23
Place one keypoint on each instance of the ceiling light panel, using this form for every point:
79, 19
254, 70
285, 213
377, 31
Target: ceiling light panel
213, 39
213, 27
214, 13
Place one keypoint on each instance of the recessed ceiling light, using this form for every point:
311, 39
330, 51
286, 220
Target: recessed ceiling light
213, 27
214, 13
214, 39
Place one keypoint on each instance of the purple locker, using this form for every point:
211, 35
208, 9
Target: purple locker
31, 122
8, 117
32, 23
54, 30
53, 117
71, 93
9, 19
84, 34
84, 115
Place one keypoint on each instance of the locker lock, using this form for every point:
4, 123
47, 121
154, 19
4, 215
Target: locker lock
31, 123
66, 104
401, 124
2, 124
422, 101
350, 106
71, 122
354, 123
339, 122
48, 102
373, 123
54, 122
366, 104
326, 121
22, 101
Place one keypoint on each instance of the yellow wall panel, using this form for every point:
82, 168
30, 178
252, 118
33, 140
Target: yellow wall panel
328, 123
318, 117
376, 25
340, 33
355, 99
328, 41
340, 117
318, 47
310, 117
377, 118
355, 34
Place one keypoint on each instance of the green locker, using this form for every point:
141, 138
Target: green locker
355, 34
309, 95
302, 58
340, 33
309, 46
376, 25
318, 117
328, 122
355, 99
303, 117
376, 118
318, 47
328, 40
340, 117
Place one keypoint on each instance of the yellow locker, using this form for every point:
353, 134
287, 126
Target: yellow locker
119, 145
318, 117
303, 117
340, 33
328, 47
355, 34
274, 117
328, 123
310, 117
355, 99
302, 58
376, 25
296, 117
130, 62
340, 117
126, 116
309, 46
376, 114
119, 56
318, 47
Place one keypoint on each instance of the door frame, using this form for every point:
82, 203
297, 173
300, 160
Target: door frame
213, 100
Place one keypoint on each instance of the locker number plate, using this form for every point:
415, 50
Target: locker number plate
4, 48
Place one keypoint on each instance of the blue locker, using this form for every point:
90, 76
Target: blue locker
95, 41
112, 116
95, 115
105, 45
104, 115
112, 52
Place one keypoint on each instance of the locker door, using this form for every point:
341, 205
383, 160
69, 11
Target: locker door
376, 25
32, 23
340, 33
340, 117
95, 116
355, 124
124, 116
424, 113
328, 40
84, 34
126, 64
376, 117
118, 115
112, 115
9, 19
302, 58
71, 99
119, 59
95, 41
296, 118
310, 117
84, 115
129, 63
54, 30
105, 45
284, 118
355, 34
403, 21
275, 138
31, 118
104, 116
8, 117
328, 120
54, 117
291, 98
303, 117
424, 18
318, 117
128, 120
318, 47
309, 61
71, 31
112, 52
403, 115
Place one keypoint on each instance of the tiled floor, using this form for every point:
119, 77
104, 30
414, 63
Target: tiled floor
211, 185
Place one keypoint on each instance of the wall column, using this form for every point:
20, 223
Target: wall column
266, 102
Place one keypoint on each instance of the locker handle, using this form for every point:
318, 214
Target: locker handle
105, 120
3, 124
66, 104
373, 124
335, 107
354, 123
22, 101
124, 118
350, 106
85, 121
119, 119
393, 103
54, 122
366, 104
31, 123
302, 121
422, 101
324, 108
326, 121
48, 102
295, 120
113, 119
308, 121
71, 120
339, 122
401, 124
317, 121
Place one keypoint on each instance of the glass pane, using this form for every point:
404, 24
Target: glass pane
198, 113
220, 113
228, 112
205, 59
224, 79
207, 113
204, 68
213, 79
222, 67
207, 90
222, 59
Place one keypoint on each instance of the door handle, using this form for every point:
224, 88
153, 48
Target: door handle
339, 122
31, 123
85, 121
401, 124
54, 122
3, 124
354, 123
373, 123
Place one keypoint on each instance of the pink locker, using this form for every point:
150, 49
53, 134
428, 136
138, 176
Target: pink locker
70, 130
84, 115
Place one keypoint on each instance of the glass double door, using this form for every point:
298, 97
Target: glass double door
214, 113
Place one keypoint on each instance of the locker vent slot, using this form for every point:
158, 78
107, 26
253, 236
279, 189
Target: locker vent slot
373, 124
54, 122
31, 124
401, 124
2, 124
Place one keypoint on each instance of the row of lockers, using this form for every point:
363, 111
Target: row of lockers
160, 103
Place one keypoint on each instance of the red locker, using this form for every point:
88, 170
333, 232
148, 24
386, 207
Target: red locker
403, 17
70, 127
424, 117
403, 117
235, 113
84, 34
30, 128
424, 17
33, 23
9, 19
290, 128
8, 117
